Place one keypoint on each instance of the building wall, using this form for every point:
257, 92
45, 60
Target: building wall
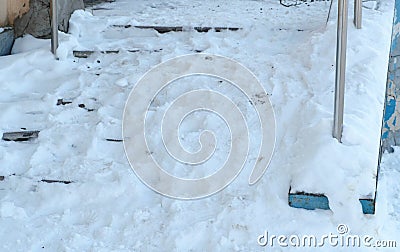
3, 13
391, 117
10, 9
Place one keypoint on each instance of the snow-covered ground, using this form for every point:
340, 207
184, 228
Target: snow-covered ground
107, 208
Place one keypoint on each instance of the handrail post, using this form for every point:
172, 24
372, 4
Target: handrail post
340, 69
358, 13
54, 27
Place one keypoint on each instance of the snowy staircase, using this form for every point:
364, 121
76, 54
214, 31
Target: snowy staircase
296, 199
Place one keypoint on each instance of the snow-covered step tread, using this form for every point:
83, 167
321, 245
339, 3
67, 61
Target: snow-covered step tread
165, 29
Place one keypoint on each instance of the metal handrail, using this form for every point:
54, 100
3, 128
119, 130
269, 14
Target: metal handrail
340, 68
54, 27
357, 13
341, 47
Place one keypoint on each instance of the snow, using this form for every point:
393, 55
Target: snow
106, 207
1, 30
29, 43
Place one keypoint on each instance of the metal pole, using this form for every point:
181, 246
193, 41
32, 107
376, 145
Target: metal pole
358, 13
340, 68
54, 27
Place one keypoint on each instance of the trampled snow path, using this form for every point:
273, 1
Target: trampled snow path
291, 51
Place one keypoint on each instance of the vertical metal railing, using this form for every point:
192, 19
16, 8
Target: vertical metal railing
54, 27
340, 68
358, 13
341, 48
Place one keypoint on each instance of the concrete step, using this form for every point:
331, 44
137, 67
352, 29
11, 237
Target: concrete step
20, 136
165, 29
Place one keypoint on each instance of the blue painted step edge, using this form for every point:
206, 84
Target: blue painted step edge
308, 201
368, 206
6, 41
312, 201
